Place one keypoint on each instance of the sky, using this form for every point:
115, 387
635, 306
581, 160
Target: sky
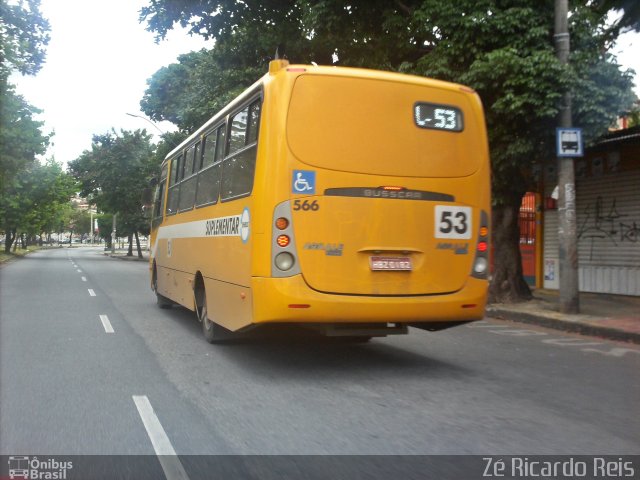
99, 59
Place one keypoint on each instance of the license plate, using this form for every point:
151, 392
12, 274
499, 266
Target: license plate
397, 264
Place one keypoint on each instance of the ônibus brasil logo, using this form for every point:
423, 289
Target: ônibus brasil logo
32, 468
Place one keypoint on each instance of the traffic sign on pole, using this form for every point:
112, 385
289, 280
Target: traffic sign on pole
569, 142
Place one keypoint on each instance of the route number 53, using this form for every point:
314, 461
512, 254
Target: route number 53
453, 222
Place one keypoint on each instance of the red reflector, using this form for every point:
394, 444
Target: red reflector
282, 223
282, 240
299, 305
482, 246
469, 305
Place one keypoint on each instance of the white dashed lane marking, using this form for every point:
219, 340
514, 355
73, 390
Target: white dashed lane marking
167, 456
108, 328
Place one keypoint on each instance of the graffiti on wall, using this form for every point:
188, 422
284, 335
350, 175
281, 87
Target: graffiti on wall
604, 221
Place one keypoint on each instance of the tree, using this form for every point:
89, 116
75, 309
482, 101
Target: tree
23, 37
24, 34
502, 49
21, 139
35, 201
113, 175
172, 90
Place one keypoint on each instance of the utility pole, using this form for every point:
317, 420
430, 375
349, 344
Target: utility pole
91, 230
567, 231
113, 235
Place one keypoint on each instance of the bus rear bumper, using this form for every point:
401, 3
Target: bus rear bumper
290, 300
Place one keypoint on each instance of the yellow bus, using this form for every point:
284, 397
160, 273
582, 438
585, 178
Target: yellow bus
351, 201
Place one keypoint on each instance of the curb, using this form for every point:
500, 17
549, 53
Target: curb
133, 258
567, 325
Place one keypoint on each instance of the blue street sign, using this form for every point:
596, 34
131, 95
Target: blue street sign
569, 142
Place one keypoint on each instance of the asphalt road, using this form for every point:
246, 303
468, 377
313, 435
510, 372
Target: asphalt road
71, 386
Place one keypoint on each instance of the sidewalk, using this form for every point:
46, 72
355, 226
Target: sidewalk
121, 253
615, 317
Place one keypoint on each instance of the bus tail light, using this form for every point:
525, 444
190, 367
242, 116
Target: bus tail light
481, 260
283, 241
282, 223
284, 259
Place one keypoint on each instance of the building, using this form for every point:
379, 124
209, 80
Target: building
608, 217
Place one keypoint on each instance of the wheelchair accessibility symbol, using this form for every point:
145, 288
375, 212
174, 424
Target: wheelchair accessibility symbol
304, 181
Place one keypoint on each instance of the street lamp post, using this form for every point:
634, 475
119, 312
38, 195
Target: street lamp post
148, 121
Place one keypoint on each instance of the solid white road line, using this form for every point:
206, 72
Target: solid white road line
91, 292
106, 324
167, 456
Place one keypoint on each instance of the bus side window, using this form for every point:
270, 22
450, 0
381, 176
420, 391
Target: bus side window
158, 209
209, 177
238, 133
239, 165
254, 121
197, 158
209, 149
220, 143
174, 189
188, 185
188, 162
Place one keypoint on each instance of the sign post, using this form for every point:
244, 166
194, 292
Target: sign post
569, 145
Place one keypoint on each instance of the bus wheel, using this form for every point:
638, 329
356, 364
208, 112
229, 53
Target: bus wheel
161, 300
213, 332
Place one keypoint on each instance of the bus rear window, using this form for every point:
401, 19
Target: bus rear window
383, 127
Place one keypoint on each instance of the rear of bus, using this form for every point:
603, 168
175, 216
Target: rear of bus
381, 201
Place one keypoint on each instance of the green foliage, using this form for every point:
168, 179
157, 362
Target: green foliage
189, 92
24, 34
169, 141
36, 200
21, 139
113, 174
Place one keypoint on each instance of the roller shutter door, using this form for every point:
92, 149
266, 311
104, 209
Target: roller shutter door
608, 216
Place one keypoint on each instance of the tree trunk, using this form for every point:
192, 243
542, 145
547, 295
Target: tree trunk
130, 251
8, 241
507, 284
138, 245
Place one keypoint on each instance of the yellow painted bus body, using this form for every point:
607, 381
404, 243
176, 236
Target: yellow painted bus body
375, 187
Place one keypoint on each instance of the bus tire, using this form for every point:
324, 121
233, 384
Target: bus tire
213, 332
161, 300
